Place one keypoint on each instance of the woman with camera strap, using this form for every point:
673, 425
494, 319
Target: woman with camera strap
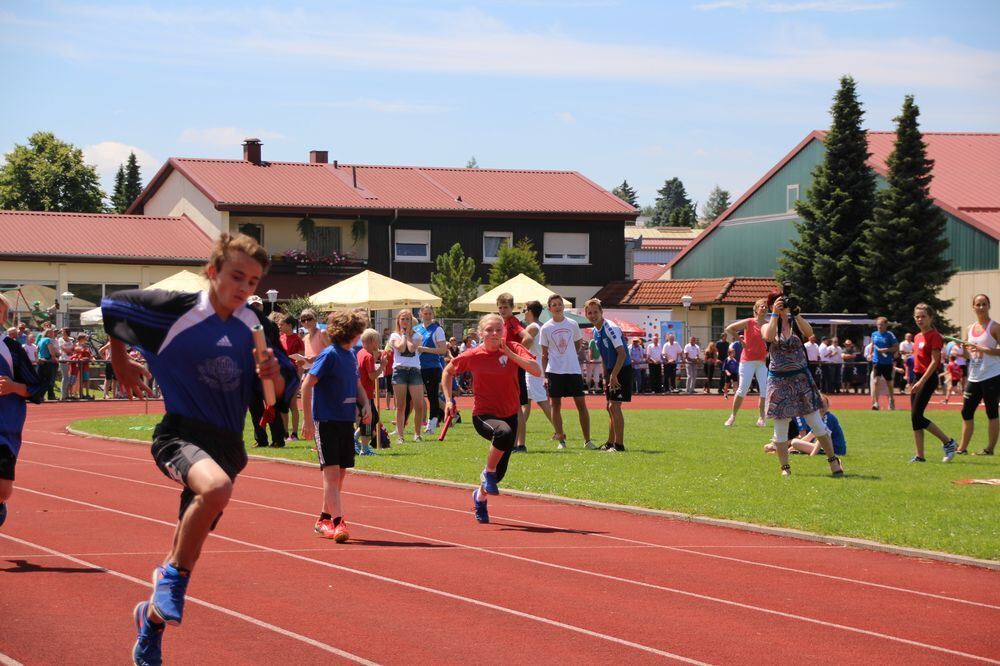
791, 389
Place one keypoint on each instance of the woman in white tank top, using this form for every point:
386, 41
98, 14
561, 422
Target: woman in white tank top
984, 375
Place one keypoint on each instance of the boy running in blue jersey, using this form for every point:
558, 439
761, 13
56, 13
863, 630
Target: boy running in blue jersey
617, 369
200, 350
333, 380
18, 383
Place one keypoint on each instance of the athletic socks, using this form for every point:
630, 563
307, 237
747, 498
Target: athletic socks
337, 520
325, 516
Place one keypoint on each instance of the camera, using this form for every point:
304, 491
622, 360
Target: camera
791, 301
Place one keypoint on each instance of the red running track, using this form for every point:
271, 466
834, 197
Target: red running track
421, 582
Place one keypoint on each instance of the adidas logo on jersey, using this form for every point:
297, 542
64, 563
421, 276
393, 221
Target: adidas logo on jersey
224, 342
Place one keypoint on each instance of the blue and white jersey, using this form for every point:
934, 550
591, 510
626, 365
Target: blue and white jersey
14, 363
609, 338
204, 365
431, 336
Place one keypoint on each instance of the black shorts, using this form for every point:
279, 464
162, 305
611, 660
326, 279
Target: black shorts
624, 391
109, 371
335, 443
522, 383
180, 442
368, 428
883, 370
986, 391
8, 461
564, 386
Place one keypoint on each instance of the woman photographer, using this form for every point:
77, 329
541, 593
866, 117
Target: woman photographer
791, 390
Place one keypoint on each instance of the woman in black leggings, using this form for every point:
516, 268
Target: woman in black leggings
983, 348
927, 347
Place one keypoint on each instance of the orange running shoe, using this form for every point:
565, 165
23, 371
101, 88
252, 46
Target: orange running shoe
325, 528
340, 534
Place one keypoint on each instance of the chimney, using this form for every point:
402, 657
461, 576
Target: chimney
354, 176
318, 156
251, 150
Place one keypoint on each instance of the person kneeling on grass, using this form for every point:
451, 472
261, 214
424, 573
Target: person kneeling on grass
333, 378
18, 382
200, 348
496, 400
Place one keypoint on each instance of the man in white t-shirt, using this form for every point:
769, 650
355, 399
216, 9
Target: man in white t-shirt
692, 357
671, 351
654, 357
561, 341
812, 356
906, 346
836, 353
66, 344
536, 385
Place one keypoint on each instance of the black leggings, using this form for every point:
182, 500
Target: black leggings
432, 387
501, 433
918, 403
988, 391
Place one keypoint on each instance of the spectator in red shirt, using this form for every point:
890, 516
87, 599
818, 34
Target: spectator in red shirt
496, 401
80, 366
292, 344
926, 363
370, 365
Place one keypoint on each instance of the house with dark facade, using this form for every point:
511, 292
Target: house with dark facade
396, 219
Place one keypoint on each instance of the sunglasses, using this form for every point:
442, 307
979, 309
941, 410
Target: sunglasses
304, 319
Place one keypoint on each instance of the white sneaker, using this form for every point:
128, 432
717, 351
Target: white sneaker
417, 438
730, 421
761, 423
428, 430
588, 445
561, 444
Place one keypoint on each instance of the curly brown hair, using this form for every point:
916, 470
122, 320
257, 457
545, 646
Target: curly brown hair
346, 325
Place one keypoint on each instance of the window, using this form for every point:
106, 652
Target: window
413, 245
791, 196
91, 293
566, 248
744, 312
493, 241
324, 241
254, 231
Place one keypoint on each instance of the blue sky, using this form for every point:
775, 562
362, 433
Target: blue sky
711, 91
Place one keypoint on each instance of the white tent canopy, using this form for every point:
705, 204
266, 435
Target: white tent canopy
521, 287
181, 281
372, 291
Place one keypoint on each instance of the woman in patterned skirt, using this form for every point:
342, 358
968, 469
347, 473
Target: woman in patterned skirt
791, 390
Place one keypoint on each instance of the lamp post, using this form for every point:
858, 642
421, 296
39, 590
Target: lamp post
272, 297
66, 297
686, 302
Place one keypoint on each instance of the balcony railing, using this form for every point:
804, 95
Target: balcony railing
284, 267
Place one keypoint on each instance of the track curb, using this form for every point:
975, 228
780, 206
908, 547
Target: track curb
660, 513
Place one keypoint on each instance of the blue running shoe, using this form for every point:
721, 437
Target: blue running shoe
482, 513
3, 512
489, 480
949, 450
146, 651
169, 586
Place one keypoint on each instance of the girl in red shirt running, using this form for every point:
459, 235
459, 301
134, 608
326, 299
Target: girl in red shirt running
926, 363
496, 400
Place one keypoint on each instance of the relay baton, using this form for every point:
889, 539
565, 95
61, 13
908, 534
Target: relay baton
444, 428
954, 339
260, 344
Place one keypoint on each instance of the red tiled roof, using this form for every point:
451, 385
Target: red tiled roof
97, 236
964, 182
648, 271
665, 243
708, 291
240, 183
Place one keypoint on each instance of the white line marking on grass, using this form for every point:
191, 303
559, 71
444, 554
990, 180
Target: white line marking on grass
586, 572
368, 574
201, 602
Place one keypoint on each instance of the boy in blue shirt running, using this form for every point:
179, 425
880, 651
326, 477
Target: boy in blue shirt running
18, 383
200, 349
331, 396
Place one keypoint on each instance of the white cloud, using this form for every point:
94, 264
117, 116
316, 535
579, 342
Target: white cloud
107, 156
566, 117
789, 7
224, 136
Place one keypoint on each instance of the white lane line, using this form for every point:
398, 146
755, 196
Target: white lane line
681, 549
384, 579
8, 661
585, 572
201, 602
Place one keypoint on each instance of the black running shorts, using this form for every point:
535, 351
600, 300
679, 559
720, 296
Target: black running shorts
335, 443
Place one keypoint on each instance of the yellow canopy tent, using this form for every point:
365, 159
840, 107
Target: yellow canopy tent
180, 281
521, 287
22, 298
372, 291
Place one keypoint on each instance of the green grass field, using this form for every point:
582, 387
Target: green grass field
684, 460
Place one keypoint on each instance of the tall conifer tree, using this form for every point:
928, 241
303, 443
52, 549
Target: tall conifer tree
627, 193
118, 201
824, 261
133, 180
905, 245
